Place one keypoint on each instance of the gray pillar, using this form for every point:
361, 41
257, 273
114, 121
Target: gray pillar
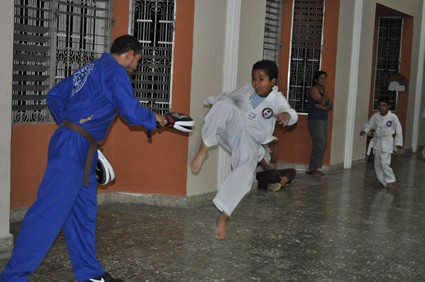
6, 59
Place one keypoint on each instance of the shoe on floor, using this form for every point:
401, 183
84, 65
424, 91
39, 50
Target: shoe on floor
105, 277
274, 187
315, 172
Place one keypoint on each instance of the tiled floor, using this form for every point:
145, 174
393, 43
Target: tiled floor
338, 227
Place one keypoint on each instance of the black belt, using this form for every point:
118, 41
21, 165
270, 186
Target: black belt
94, 144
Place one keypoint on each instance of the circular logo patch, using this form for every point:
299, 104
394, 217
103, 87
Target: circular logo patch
267, 113
389, 123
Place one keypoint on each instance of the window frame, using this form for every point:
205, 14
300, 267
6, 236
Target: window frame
39, 20
305, 82
381, 79
152, 81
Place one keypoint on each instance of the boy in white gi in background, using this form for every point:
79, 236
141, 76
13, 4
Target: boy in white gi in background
240, 121
388, 133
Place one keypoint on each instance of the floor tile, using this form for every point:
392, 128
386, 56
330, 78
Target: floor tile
340, 227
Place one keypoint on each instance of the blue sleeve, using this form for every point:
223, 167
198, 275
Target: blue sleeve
58, 97
126, 104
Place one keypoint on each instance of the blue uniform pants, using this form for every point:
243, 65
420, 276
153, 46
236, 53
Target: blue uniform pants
62, 203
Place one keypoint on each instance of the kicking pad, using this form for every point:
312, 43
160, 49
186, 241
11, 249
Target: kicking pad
104, 171
179, 121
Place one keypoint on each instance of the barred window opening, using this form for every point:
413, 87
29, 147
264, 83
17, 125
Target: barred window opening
306, 50
387, 59
272, 30
82, 34
152, 24
52, 38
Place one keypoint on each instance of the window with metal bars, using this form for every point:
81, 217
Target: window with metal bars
306, 50
152, 23
272, 31
387, 59
52, 38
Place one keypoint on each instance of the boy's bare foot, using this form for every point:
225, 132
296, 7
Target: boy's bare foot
199, 159
220, 232
389, 185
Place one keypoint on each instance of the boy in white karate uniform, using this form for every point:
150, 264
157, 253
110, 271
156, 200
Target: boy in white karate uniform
388, 134
240, 121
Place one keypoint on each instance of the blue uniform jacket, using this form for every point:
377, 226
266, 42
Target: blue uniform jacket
97, 92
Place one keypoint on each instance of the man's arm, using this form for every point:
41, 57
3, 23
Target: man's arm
126, 104
58, 97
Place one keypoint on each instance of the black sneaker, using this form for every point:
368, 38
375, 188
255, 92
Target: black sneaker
105, 277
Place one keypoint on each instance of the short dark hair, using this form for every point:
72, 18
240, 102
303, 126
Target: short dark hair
269, 67
316, 76
385, 100
126, 43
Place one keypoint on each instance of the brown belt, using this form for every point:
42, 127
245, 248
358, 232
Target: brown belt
94, 144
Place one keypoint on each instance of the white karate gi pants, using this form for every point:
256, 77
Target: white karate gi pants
225, 124
383, 170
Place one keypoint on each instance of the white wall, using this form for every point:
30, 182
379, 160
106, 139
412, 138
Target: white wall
342, 80
253, 16
207, 80
6, 59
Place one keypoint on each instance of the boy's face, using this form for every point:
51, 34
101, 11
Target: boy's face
383, 108
261, 82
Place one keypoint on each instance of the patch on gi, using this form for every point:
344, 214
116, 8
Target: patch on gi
79, 78
252, 116
267, 113
389, 123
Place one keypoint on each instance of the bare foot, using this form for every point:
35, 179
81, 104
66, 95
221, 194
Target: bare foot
389, 185
220, 232
199, 159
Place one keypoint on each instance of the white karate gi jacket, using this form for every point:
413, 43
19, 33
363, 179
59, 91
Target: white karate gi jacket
260, 123
241, 130
388, 131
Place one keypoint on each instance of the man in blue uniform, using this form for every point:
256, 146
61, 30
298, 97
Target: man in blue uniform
84, 105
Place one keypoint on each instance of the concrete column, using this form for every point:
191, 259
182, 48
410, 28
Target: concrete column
6, 66
230, 70
419, 84
354, 74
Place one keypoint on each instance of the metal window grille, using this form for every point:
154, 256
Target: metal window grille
31, 60
82, 34
272, 31
387, 59
306, 50
74, 31
153, 24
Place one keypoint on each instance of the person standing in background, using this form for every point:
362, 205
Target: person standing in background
319, 104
